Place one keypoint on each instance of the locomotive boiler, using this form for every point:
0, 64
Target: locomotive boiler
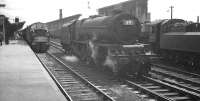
37, 36
108, 42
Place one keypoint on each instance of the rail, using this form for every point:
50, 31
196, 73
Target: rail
163, 91
182, 79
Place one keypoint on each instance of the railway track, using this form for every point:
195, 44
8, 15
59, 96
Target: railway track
73, 85
103, 81
170, 68
186, 80
162, 91
123, 85
57, 45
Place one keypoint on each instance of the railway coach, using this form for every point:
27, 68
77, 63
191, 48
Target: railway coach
109, 42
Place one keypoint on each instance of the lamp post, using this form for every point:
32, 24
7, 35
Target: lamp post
171, 7
2, 18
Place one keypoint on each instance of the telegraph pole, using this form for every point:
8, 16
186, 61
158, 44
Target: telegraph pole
171, 7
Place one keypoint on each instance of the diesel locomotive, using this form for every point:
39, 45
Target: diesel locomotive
177, 41
37, 36
109, 42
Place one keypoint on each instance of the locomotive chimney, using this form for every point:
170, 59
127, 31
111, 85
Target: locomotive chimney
16, 19
60, 13
197, 19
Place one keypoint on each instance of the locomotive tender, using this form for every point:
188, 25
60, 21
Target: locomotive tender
108, 42
37, 36
177, 41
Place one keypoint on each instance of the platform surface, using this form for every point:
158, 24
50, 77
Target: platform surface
22, 77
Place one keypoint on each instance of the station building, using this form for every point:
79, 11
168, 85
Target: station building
55, 26
138, 8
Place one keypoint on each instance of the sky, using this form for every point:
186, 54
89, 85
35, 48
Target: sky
47, 10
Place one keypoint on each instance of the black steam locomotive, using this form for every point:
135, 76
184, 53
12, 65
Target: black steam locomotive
37, 36
177, 41
108, 42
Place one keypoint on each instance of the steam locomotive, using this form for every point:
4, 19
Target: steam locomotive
37, 36
109, 42
177, 41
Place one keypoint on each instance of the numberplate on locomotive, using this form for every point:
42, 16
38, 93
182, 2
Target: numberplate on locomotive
41, 39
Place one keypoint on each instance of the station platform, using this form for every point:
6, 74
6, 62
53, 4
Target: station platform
22, 77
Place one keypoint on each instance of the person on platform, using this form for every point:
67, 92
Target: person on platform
7, 36
1, 38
